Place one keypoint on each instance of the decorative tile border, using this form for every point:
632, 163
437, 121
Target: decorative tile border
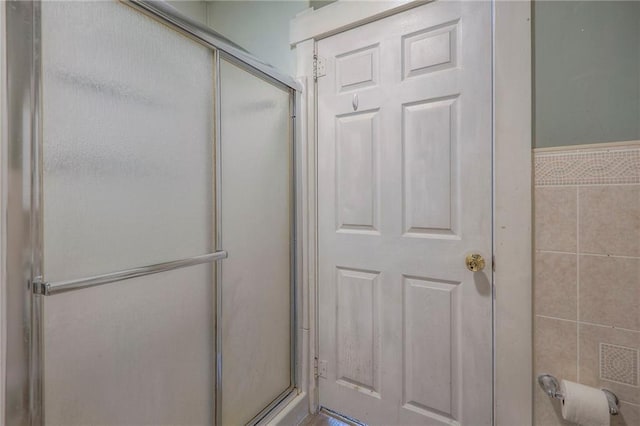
619, 364
600, 165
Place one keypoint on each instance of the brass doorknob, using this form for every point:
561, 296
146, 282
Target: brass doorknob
475, 262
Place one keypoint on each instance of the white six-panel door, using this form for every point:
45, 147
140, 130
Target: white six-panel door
405, 186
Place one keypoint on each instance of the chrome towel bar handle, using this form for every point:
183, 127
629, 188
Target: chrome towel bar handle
39, 286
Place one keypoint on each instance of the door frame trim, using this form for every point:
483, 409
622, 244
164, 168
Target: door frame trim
512, 220
512, 217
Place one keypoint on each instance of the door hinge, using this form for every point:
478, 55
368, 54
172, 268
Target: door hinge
322, 368
319, 368
319, 67
493, 263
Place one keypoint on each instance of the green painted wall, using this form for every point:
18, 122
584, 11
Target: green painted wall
587, 72
261, 27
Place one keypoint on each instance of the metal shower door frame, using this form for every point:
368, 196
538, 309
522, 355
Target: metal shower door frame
21, 198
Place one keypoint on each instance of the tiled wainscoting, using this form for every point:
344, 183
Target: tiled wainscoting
587, 273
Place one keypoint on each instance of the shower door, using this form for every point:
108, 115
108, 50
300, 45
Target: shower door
127, 181
152, 152
255, 224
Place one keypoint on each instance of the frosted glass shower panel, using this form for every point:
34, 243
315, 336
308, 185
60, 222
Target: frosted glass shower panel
256, 231
127, 140
138, 352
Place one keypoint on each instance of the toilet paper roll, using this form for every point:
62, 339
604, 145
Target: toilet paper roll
584, 405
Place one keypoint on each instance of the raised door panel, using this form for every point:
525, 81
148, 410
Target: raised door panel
357, 172
357, 330
429, 169
431, 311
357, 69
431, 49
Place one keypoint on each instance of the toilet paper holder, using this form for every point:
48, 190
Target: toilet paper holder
550, 385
